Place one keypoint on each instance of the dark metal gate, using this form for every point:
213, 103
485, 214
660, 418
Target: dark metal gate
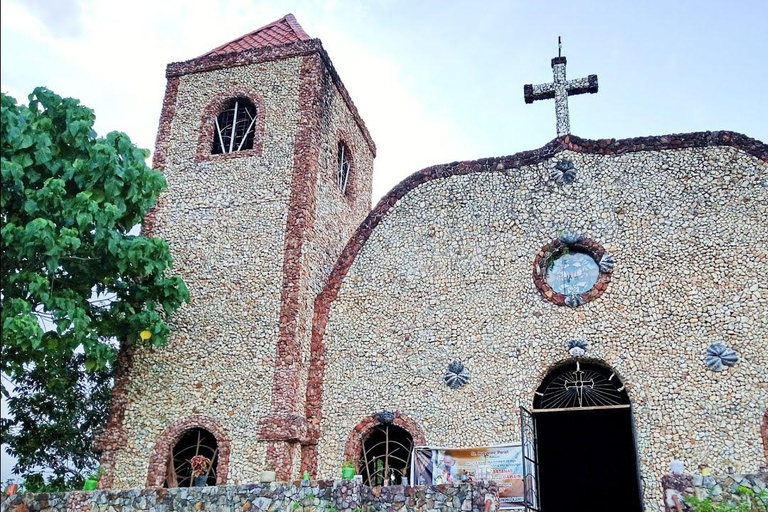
530, 461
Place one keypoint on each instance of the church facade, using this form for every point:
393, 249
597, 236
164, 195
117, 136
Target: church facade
613, 289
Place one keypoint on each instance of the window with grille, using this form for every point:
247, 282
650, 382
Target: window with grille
193, 461
235, 127
386, 456
343, 167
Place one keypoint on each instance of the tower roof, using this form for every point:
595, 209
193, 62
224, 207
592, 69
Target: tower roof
283, 31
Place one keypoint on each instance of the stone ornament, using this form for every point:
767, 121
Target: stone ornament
457, 375
572, 269
576, 347
386, 417
719, 356
564, 172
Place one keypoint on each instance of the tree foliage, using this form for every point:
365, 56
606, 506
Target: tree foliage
75, 283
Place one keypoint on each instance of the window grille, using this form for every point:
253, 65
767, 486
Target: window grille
194, 460
235, 127
342, 172
386, 456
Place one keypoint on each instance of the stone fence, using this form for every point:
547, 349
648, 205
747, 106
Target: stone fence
328, 496
721, 489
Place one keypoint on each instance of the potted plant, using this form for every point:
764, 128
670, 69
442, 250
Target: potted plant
92, 481
348, 470
201, 465
268, 473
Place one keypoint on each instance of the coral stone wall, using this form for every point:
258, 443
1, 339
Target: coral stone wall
447, 274
336, 214
224, 218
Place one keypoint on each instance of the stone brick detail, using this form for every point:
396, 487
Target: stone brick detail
343, 496
162, 451
353, 448
115, 436
764, 433
283, 424
166, 118
588, 246
207, 128
720, 489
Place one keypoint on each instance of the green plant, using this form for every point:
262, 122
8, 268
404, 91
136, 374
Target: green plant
744, 503
76, 283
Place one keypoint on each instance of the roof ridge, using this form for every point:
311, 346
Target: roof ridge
289, 20
296, 27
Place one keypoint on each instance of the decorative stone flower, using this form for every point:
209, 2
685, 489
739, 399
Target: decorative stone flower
569, 237
606, 263
386, 417
457, 375
576, 347
564, 172
573, 301
719, 356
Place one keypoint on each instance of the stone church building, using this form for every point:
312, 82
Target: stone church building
608, 295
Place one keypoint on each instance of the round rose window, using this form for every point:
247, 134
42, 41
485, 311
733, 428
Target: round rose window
572, 270
572, 273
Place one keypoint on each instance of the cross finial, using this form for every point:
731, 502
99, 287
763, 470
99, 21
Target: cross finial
560, 89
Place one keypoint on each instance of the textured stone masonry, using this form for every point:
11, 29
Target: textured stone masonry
720, 489
341, 496
442, 269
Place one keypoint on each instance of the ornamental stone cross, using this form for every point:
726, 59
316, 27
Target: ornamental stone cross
560, 89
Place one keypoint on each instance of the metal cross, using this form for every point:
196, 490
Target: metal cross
579, 384
560, 89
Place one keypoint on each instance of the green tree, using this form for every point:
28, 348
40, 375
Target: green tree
75, 283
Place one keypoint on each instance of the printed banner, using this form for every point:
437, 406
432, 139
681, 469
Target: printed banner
502, 464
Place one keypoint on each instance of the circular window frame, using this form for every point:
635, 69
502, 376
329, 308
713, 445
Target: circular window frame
574, 243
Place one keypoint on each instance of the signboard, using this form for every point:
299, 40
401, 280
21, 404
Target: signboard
503, 464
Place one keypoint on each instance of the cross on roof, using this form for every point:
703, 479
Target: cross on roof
560, 89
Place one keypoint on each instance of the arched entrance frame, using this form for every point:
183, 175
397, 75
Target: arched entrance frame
353, 448
158, 462
605, 411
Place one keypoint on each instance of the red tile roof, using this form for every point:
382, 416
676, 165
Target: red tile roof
283, 31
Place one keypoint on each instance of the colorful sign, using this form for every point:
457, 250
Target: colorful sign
503, 464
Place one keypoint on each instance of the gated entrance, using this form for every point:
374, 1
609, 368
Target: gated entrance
579, 444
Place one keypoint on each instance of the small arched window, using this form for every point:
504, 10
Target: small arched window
235, 127
343, 167
194, 460
386, 455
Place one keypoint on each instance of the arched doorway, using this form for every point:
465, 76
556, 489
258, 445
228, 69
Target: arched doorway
194, 460
584, 438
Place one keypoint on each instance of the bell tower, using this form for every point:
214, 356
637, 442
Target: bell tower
269, 169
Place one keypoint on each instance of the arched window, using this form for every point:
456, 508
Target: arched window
386, 455
194, 460
580, 384
343, 167
235, 127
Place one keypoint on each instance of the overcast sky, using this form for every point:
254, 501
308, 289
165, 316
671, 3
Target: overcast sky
435, 81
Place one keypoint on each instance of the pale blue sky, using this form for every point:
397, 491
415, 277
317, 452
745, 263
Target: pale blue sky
435, 81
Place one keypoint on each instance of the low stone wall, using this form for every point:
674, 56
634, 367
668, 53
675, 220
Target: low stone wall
320, 496
719, 489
